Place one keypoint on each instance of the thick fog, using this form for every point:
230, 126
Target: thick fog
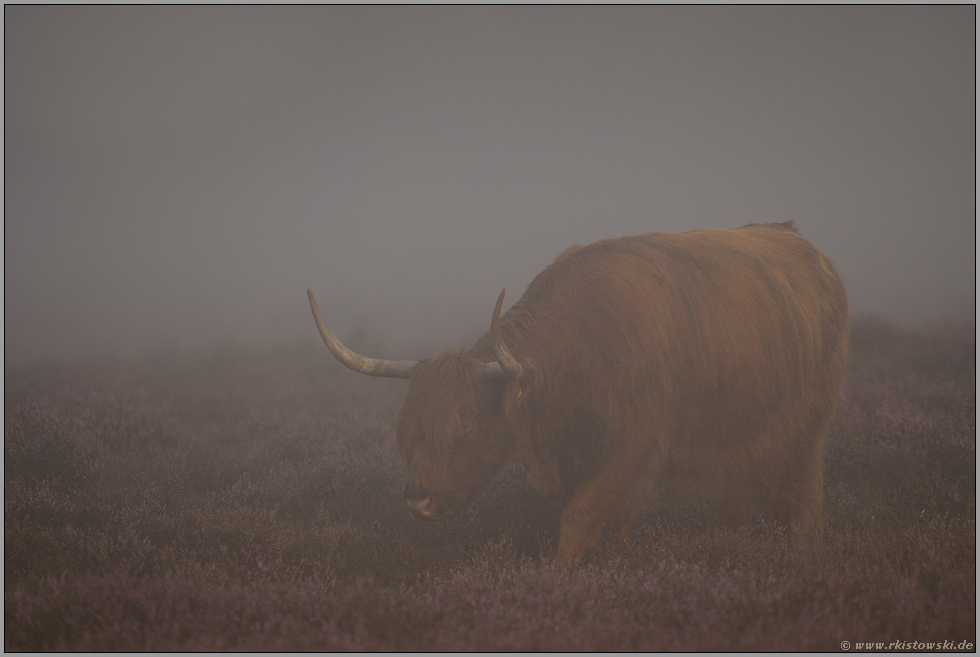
179, 176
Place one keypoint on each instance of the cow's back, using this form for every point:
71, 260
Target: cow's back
715, 303
697, 340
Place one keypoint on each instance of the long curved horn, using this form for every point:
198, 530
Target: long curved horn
396, 369
507, 363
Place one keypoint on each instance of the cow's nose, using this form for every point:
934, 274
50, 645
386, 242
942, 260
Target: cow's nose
423, 507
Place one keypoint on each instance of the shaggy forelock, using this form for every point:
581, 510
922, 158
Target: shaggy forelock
444, 385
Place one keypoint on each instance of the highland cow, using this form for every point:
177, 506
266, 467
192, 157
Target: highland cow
715, 355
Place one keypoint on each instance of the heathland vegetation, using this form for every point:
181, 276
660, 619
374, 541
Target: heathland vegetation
253, 501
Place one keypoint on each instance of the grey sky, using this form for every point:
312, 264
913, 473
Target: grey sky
180, 175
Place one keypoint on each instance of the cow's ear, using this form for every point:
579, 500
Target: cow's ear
520, 392
513, 397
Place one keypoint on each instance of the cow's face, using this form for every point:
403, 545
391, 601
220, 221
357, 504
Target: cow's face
451, 435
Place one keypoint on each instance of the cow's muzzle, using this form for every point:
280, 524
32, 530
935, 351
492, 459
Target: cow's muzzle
423, 508
427, 507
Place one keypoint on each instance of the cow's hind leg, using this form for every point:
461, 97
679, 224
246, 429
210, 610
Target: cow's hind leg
733, 511
797, 502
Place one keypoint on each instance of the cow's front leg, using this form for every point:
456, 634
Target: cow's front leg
596, 506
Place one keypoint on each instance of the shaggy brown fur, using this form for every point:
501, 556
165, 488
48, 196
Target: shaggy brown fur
713, 355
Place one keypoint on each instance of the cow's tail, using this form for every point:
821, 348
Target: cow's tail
786, 225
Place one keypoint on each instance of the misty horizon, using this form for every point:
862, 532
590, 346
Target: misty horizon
179, 176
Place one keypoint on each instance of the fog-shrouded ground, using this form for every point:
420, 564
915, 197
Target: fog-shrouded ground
254, 501
178, 176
